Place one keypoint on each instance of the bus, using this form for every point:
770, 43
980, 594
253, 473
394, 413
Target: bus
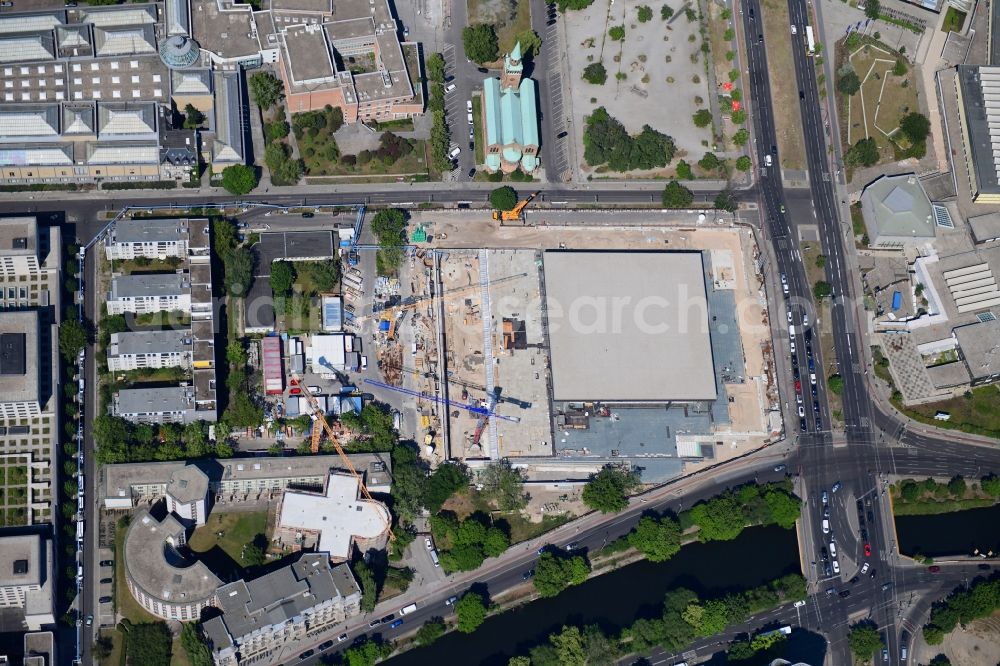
810, 41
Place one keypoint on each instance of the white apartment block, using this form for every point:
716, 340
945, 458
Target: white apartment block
29, 263
149, 349
146, 293
150, 239
173, 404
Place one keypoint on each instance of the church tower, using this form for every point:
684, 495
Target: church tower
513, 68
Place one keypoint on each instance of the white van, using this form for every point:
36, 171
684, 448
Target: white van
767, 160
454, 152
434, 558
833, 550
406, 610
826, 527
448, 88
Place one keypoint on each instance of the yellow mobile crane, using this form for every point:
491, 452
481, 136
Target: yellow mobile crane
319, 426
516, 213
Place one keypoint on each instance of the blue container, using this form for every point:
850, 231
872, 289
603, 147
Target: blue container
897, 300
383, 325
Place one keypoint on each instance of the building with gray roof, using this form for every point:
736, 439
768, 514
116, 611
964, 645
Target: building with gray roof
149, 292
980, 347
897, 212
979, 112
228, 142
985, 228
19, 365
26, 577
292, 246
172, 404
132, 350
187, 495
161, 574
261, 616
152, 239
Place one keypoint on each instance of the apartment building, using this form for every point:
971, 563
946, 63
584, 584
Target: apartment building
150, 239
173, 404
29, 263
26, 578
149, 292
261, 616
150, 349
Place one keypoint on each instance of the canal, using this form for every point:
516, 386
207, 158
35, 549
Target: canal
957, 533
617, 599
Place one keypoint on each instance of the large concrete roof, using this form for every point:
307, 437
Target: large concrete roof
628, 326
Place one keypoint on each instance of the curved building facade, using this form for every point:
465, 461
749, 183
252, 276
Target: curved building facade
160, 577
179, 52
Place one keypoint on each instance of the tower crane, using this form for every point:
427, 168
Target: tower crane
320, 425
481, 411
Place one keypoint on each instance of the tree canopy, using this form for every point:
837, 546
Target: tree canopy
503, 485
657, 539
702, 118
239, 179
864, 639
470, 611
822, 289
605, 140
282, 278
595, 73
72, 338
503, 198
480, 42
915, 126
389, 226
265, 89
555, 572
835, 383
149, 643
676, 195
465, 544
849, 83
863, 153
435, 67
446, 480
607, 491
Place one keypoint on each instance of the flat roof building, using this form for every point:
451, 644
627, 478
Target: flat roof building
173, 404
152, 239
19, 365
149, 349
980, 347
258, 310
160, 574
149, 292
985, 228
261, 616
30, 263
26, 577
333, 521
614, 316
979, 110
897, 212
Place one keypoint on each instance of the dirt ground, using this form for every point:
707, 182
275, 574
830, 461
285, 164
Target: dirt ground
979, 643
656, 61
784, 91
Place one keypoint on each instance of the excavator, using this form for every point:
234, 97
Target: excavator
516, 213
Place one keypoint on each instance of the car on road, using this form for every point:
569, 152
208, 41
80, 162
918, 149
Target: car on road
872, 573
572, 545
397, 623
816, 406
454, 152
428, 543
805, 319
854, 581
388, 618
105, 600
802, 411
823, 552
562, 135
468, 106
826, 498
782, 208
306, 654
934, 568
341, 638
528, 574
482, 70
90, 620
788, 316
868, 550
845, 593
800, 603
865, 567
798, 386
802, 425
308, 215
327, 645
107, 563
543, 549
871, 517
468, 117
472, 172
779, 468
836, 567
375, 623
794, 30
833, 549
450, 601
886, 587
885, 654
826, 511
830, 591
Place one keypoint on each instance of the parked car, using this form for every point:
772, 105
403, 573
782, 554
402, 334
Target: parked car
306, 654
450, 601
341, 638
428, 543
107, 563
327, 644
396, 624
105, 600
934, 568
450, 87
105, 581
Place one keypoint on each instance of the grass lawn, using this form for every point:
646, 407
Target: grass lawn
507, 28
477, 128
238, 529
118, 641
467, 502
978, 414
932, 507
954, 19
171, 319
784, 89
153, 266
151, 375
401, 125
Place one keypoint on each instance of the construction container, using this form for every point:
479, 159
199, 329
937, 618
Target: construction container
270, 352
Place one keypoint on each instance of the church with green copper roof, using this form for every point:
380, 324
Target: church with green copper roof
510, 115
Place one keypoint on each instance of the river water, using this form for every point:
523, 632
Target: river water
617, 599
957, 533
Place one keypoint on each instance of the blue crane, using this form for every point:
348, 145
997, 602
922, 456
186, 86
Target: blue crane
481, 411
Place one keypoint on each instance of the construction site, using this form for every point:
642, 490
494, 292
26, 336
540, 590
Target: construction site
570, 344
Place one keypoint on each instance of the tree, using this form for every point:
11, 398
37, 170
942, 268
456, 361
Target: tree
915, 126
480, 41
470, 611
607, 491
103, 647
784, 508
900, 68
568, 644
741, 137
595, 73
710, 162
389, 225
702, 118
554, 573
366, 580
849, 83
666, 12
431, 630
991, 485
193, 118
719, 519
957, 487
676, 195
72, 339
644, 13
503, 198
836, 384
822, 289
744, 163
606, 141
265, 89
617, 33
684, 171
446, 480
239, 179
658, 540
149, 644
725, 200
194, 644
504, 485
255, 552
863, 153
873, 9
435, 67
863, 637
366, 653
282, 278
